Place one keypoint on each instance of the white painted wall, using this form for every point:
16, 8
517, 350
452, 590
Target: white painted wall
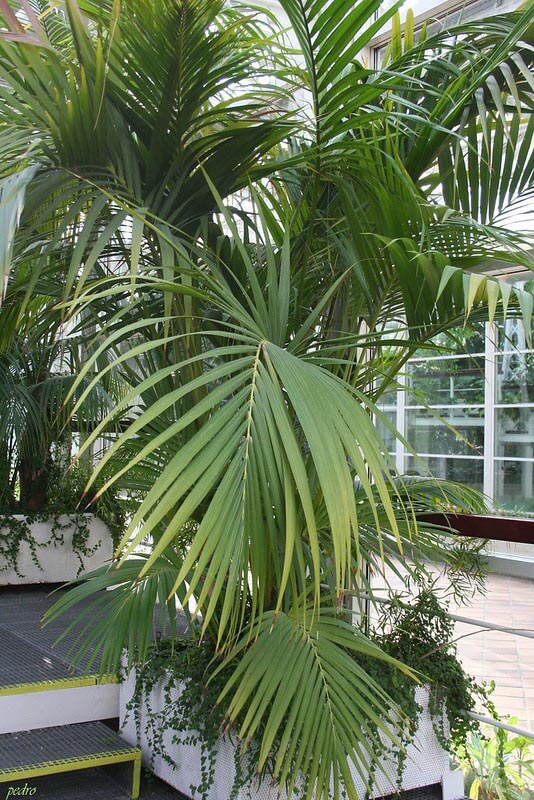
58, 561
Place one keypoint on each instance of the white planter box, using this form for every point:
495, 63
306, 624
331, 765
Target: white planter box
58, 562
427, 762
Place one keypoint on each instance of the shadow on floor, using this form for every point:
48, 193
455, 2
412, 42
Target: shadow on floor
90, 784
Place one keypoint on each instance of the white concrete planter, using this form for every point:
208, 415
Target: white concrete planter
427, 762
57, 560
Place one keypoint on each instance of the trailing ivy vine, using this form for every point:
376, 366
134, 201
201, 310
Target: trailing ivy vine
421, 634
189, 711
418, 633
15, 531
65, 500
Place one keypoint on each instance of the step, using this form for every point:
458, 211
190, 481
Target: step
29, 666
90, 784
57, 702
65, 748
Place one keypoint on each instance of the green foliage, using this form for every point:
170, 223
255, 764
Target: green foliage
498, 765
40, 418
67, 495
66, 498
189, 712
13, 532
195, 707
255, 278
420, 634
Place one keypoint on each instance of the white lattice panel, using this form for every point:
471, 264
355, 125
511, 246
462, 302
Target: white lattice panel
427, 762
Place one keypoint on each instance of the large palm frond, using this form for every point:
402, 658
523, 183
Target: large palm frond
457, 75
144, 101
255, 344
316, 668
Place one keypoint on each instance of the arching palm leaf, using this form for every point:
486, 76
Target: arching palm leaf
255, 343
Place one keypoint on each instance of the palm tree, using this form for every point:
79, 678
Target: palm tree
257, 337
39, 413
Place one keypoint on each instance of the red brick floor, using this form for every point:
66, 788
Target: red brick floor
498, 656
504, 658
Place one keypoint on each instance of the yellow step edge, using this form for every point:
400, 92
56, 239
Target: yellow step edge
101, 680
45, 686
57, 683
29, 771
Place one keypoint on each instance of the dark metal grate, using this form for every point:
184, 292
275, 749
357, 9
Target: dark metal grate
21, 662
92, 784
21, 613
433, 792
86, 785
63, 743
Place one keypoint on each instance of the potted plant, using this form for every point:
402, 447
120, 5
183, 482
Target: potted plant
171, 706
48, 531
497, 765
257, 339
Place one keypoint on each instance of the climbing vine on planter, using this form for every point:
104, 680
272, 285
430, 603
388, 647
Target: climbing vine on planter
192, 714
66, 499
418, 633
80, 535
67, 496
421, 635
15, 531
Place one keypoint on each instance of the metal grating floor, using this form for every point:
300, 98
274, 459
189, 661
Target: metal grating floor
61, 743
30, 655
29, 652
22, 662
34, 656
91, 784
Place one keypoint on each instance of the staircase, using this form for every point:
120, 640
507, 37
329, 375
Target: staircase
65, 748
50, 714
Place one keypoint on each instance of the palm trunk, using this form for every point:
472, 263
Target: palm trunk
7, 496
33, 476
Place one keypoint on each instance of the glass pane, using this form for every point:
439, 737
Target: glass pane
387, 436
466, 340
448, 381
514, 434
514, 486
468, 471
427, 434
515, 378
389, 398
511, 332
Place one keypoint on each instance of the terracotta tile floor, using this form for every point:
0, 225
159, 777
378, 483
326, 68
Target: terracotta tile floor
493, 655
502, 657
